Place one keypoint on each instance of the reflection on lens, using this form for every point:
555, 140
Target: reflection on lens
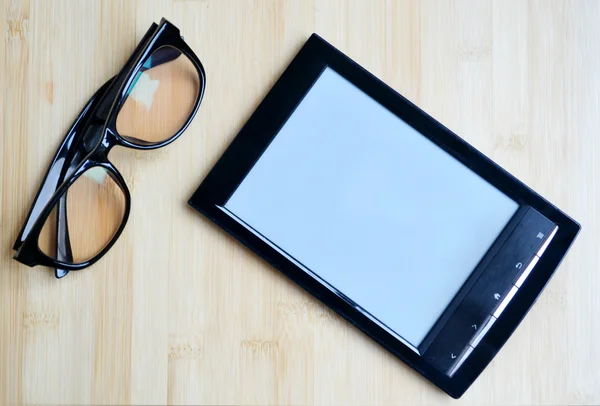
161, 98
94, 210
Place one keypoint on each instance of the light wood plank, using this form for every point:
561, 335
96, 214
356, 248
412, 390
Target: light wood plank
180, 313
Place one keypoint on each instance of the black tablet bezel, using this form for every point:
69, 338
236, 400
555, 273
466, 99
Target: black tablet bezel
264, 125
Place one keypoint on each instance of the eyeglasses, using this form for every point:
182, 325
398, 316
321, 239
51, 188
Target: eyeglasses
83, 203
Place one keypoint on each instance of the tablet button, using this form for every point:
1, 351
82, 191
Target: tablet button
543, 247
527, 271
460, 360
505, 301
484, 328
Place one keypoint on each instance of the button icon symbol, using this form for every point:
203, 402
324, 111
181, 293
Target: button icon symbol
497, 296
540, 236
519, 265
474, 326
452, 356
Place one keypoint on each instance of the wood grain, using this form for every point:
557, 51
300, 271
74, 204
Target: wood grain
180, 313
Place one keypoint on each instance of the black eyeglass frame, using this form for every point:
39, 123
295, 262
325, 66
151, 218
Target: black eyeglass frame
87, 144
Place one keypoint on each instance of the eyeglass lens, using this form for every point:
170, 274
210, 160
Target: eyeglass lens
161, 97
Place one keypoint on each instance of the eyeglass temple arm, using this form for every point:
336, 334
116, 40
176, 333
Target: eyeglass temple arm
55, 175
63, 242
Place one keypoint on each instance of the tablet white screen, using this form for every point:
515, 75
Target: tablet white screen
371, 206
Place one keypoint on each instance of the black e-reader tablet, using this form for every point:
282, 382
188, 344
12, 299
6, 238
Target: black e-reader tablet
386, 216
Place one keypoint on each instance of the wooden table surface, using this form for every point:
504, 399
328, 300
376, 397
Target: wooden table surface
177, 311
